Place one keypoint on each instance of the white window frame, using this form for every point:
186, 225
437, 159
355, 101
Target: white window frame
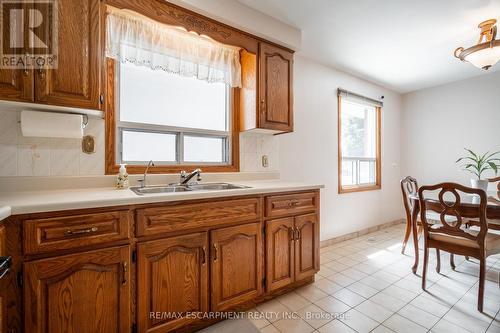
180, 132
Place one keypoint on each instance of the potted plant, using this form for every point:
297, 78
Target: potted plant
477, 164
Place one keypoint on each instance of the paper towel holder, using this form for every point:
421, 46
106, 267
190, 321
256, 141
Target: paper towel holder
85, 118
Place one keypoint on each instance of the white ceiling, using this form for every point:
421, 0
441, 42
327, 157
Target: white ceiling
401, 44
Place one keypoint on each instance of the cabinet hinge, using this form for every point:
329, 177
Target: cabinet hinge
134, 256
20, 279
134, 328
263, 282
101, 98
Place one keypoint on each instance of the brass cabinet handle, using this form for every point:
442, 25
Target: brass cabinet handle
81, 231
203, 259
298, 234
215, 251
26, 72
262, 106
124, 272
41, 72
291, 231
293, 203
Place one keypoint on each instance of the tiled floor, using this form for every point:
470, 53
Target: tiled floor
366, 285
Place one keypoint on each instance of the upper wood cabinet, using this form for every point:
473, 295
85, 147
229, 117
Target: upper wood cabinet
76, 80
275, 88
86, 292
266, 98
172, 278
236, 265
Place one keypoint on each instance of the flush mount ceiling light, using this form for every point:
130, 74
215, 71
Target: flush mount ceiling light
487, 51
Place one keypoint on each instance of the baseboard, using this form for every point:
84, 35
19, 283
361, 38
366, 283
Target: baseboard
331, 241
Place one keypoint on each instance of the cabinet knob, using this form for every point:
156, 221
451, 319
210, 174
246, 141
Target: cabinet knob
215, 251
124, 272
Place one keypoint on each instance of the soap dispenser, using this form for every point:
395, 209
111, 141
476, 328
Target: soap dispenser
122, 178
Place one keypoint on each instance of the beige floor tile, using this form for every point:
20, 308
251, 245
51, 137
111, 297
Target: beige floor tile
362, 289
336, 266
324, 271
444, 326
269, 329
327, 286
430, 305
341, 279
398, 323
375, 311
466, 321
295, 325
293, 301
388, 301
375, 283
336, 326
311, 293
257, 318
382, 329
493, 329
418, 316
332, 305
354, 274
349, 297
273, 310
400, 293
358, 321
315, 316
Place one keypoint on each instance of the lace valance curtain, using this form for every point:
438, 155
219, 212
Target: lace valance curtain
137, 39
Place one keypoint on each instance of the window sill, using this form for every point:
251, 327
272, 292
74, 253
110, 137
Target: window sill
138, 169
359, 188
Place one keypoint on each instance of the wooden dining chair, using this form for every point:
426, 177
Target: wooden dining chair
453, 237
409, 188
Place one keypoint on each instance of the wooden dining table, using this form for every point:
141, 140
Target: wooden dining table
466, 202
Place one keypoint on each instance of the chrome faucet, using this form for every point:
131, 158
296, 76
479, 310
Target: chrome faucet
185, 177
143, 180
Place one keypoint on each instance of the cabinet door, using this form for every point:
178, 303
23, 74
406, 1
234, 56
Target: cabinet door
236, 255
172, 278
275, 89
279, 253
306, 246
17, 84
76, 80
86, 292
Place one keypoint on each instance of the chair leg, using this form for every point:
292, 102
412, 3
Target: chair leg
407, 235
419, 231
424, 268
452, 261
482, 277
438, 261
467, 258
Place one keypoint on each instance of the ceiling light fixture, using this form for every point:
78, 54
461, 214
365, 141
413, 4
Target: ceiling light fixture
487, 51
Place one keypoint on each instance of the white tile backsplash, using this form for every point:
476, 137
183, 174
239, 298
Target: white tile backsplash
24, 156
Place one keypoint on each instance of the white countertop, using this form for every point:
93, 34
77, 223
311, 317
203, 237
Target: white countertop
26, 202
5, 212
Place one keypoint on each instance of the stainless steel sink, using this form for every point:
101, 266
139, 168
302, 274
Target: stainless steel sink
183, 188
215, 186
159, 189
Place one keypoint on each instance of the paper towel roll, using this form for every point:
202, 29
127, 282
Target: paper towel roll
51, 124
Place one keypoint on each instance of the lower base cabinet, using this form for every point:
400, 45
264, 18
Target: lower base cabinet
236, 265
292, 246
172, 280
86, 292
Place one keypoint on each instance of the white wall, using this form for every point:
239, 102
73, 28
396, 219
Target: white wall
437, 123
310, 152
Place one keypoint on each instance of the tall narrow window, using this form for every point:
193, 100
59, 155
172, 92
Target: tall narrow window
359, 139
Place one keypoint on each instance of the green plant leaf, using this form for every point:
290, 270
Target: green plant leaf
493, 166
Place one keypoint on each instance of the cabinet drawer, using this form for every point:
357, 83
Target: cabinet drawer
67, 232
287, 204
156, 220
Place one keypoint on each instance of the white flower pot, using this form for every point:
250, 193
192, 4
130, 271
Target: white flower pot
480, 183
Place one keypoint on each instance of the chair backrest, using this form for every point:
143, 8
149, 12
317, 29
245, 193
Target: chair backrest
496, 179
409, 187
449, 203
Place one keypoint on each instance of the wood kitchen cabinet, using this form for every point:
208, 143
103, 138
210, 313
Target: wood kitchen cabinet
172, 278
266, 99
292, 246
275, 88
76, 80
86, 292
236, 265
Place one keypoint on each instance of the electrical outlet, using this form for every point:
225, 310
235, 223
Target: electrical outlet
265, 161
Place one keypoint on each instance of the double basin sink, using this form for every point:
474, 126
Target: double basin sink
185, 188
